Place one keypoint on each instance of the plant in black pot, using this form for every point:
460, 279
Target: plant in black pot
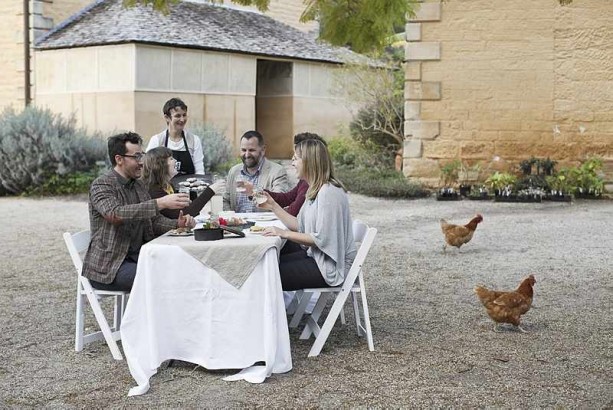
546, 166
587, 178
501, 183
479, 192
526, 166
448, 180
560, 186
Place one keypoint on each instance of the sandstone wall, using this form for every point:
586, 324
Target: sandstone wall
495, 82
12, 56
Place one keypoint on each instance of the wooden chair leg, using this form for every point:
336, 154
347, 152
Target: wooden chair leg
333, 315
356, 312
311, 326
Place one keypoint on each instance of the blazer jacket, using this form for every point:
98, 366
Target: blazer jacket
110, 210
273, 177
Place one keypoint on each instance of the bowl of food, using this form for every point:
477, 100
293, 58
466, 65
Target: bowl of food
211, 234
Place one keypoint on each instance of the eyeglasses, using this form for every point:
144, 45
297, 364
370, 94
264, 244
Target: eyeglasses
138, 156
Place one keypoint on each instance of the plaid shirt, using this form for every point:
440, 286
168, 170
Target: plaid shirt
243, 202
269, 175
122, 217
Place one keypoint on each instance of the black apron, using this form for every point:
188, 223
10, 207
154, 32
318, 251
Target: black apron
184, 157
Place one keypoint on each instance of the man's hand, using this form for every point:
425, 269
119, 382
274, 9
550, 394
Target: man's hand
185, 221
114, 219
173, 201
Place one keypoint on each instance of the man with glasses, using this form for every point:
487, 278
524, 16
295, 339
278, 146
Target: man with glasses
123, 216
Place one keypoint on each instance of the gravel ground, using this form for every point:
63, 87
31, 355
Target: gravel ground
434, 344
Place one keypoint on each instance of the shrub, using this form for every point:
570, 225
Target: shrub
346, 151
216, 148
380, 183
40, 149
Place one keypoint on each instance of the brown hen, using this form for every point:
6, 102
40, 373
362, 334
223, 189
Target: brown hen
458, 235
507, 307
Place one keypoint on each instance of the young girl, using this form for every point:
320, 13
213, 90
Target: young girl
158, 169
323, 226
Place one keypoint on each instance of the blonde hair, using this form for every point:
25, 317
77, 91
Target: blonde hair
155, 168
317, 167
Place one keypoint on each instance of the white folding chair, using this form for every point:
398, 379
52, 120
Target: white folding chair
354, 284
77, 244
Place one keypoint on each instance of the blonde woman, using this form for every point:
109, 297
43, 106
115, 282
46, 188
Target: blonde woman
159, 167
323, 226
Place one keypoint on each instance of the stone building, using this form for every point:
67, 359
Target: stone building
498, 81
114, 68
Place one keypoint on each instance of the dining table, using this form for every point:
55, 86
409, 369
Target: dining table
218, 304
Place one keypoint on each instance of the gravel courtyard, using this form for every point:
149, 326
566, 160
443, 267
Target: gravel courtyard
434, 344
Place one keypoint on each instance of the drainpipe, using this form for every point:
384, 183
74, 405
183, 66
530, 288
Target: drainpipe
26, 50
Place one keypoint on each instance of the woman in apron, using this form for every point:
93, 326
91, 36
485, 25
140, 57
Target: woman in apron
183, 157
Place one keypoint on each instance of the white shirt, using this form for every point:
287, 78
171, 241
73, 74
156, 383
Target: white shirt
197, 155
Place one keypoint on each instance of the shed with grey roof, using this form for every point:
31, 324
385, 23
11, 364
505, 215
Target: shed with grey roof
114, 67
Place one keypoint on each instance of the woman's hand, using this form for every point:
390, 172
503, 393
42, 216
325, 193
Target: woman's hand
269, 204
185, 221
218, 187
274, 231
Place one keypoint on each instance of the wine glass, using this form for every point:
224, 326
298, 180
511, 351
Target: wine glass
240, 184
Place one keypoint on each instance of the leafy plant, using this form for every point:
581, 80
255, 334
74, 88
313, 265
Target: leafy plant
449, 172
586, 177
526, 166
38, 147
500, 181
468, 173
216, 148
546, 165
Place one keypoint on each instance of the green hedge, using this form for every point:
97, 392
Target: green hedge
380, 183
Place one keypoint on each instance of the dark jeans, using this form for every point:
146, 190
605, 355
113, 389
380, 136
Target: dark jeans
299, 271
125, 276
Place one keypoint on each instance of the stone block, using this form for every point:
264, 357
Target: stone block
424, 130
430, 50
427, 12
476, 150
425, 169
422, 90
413, 31
412, 148
412, 70
412, 110
441, 149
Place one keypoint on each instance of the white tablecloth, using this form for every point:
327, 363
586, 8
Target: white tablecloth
180, 309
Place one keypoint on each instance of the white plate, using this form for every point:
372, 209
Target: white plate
263, 218
174, 232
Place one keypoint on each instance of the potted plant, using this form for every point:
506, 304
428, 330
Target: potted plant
560, 186
448, 179
546, 165
589, 183
467, 176
526, 166
479, 192
501, 183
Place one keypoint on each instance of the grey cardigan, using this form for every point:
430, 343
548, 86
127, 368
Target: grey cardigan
327, 219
